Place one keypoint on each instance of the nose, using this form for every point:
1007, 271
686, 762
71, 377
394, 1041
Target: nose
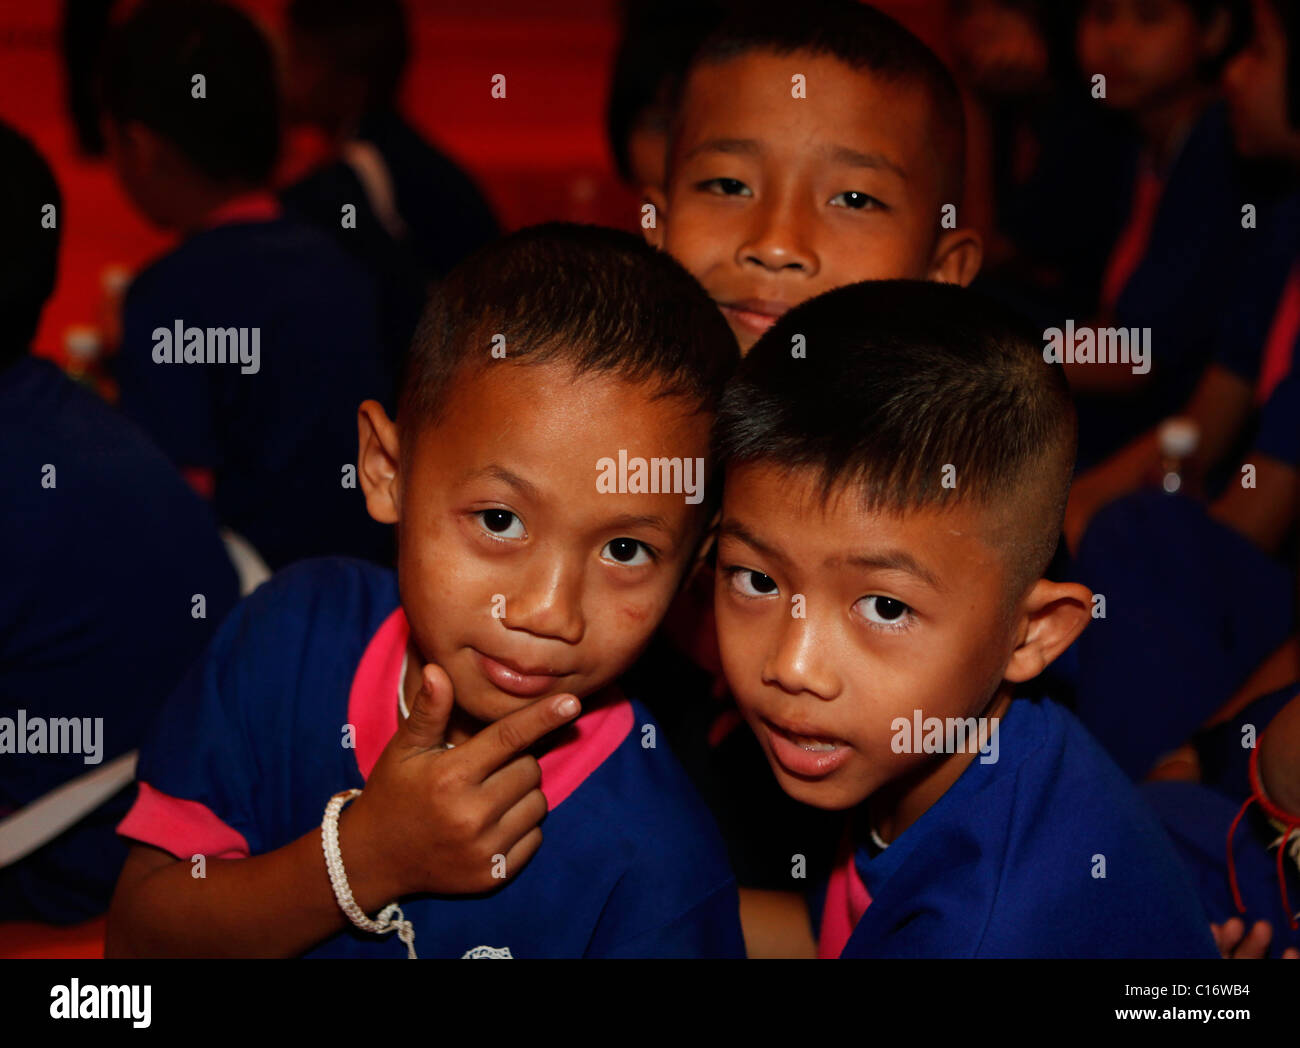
798, 665
778, 237
548, 603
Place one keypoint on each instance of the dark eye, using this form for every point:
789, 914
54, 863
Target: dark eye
856, 201
501, 522
753, 583
884, 611
726, 186
627, 551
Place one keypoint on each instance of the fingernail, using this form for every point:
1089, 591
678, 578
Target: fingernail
568, 707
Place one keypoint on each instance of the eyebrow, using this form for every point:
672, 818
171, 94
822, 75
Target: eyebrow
854, 158
735, 146
739, 531
887, 560
895, 560
514, 480
629, 520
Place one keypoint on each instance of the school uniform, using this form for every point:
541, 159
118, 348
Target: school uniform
295, 701
1046, 852
280, 434
1192, 606
114, 578
445, 214
1167, 272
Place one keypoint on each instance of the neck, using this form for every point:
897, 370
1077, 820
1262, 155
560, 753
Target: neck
899, 804
201, 201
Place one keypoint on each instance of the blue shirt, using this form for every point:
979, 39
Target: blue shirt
631, 866
98, 617
278, 440
1007, 862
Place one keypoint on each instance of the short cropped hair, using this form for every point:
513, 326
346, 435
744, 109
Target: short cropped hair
232, 134
863, 38
598, 299
898, 381
367, 39
29, 263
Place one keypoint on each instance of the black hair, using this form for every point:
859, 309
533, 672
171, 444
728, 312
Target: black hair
654, 50
29, 264
884, 385
598, 299
864, 39
232, 134
367, 39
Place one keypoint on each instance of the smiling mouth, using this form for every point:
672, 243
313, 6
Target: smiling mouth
515, 679
754, 315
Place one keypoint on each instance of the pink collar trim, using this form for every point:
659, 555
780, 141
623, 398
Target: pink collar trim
258, 206
372, 711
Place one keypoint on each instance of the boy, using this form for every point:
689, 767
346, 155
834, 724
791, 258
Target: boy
247, 348
520, 584
1156, 62
891, 501
814, 145
104, 552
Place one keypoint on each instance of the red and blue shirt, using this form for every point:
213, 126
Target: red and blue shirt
1046, 852
252, 746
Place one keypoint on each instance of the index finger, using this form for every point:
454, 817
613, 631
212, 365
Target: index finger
502, 740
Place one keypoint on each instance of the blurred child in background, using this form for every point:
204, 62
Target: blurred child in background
267, 433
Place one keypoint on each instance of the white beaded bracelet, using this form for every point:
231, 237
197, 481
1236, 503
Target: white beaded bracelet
390, 917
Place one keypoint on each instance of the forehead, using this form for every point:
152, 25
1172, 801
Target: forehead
550, 424
954, 544
750, 97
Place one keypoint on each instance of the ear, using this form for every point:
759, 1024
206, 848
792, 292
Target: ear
655, 234
957, 257
378, 462
1054, 614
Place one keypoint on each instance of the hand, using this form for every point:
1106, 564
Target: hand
1235, 944
436, 820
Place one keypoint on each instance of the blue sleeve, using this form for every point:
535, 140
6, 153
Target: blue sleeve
203, 748
1279, 426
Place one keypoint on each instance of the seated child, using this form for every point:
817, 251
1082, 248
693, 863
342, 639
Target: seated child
1159, 61
104, 550
530, 570
814, 145
1164, 658
891, 500
246, 349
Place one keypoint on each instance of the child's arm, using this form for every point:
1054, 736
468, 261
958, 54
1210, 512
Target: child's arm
428, 820
1279, 758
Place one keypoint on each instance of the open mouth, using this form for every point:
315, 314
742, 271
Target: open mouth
803, 754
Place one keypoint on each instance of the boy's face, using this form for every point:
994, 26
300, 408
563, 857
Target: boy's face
1147, 49
899, 613
773, 199
1256, 86
520, 578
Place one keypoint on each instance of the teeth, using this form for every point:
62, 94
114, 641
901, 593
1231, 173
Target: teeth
813, 745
